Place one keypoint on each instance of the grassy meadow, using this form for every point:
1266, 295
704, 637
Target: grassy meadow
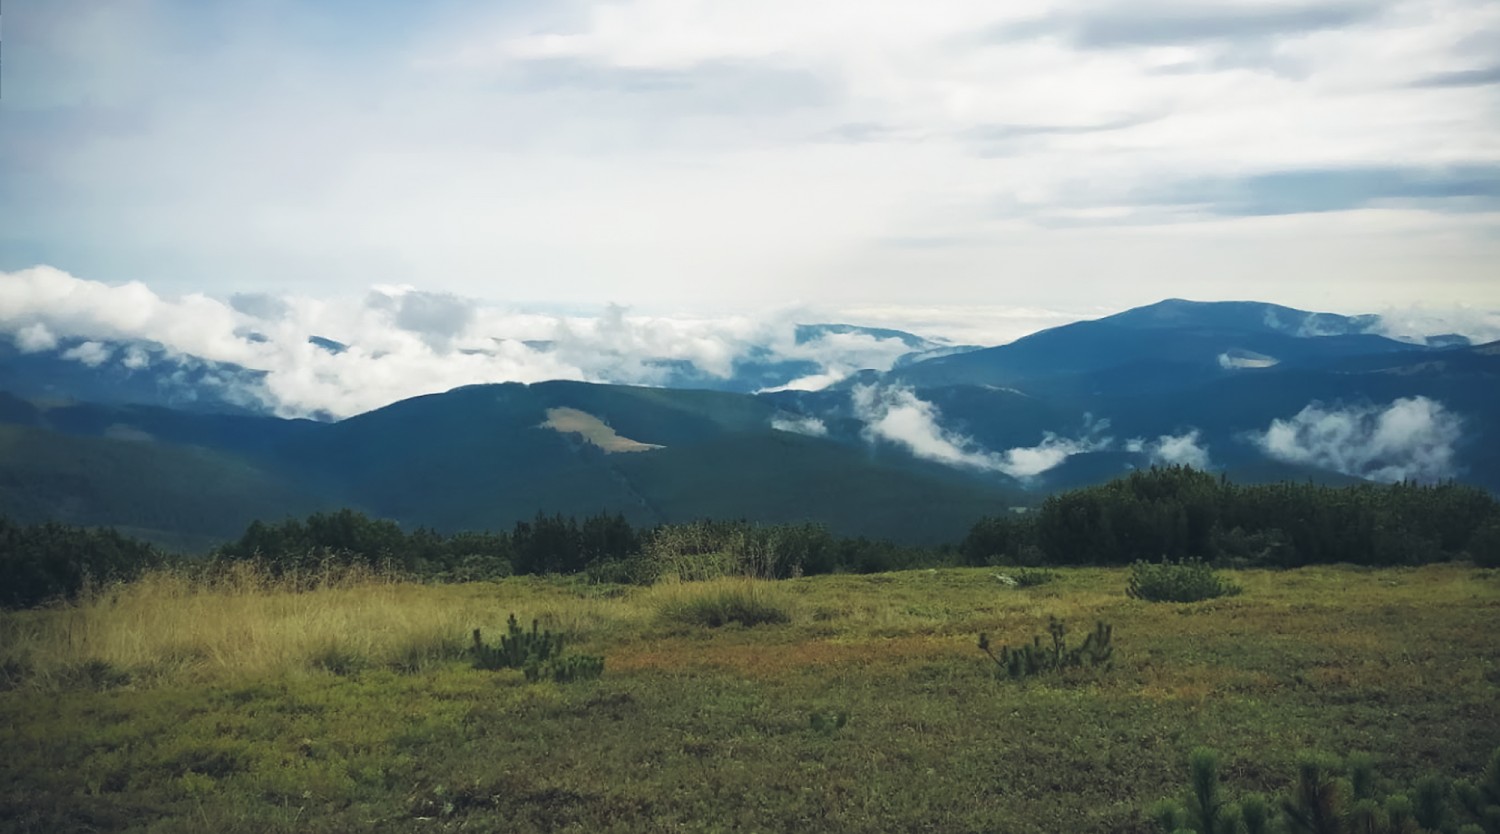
346, 702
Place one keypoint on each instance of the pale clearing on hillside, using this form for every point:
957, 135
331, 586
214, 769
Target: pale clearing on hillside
594, 430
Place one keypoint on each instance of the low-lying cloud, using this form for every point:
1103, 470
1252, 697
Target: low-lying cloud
1410, 439
1184, 449
810, 426
896, 415
403, 342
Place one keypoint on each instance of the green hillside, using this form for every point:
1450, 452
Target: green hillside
476, 458
165, 493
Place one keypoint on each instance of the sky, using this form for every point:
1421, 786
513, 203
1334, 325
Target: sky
932, 164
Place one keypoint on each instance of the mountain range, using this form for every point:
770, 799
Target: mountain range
175, 452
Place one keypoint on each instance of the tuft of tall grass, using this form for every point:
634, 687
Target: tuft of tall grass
720, 602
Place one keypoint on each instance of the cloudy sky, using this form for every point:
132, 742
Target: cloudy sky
707, 158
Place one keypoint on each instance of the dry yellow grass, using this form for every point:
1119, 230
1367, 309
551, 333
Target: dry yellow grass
245, 624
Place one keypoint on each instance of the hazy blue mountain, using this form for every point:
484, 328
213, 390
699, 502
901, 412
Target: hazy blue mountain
1253, 316
127, 372
806, 333
1185, 341
485, 456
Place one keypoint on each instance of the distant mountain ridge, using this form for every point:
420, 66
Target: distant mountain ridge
140, 372
1256, 391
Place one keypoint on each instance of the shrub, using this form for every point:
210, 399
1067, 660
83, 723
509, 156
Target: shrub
1189, 580
1484, 545
518, 649
1332, 797
1095, 650
743, 603
1031, 577
537, 653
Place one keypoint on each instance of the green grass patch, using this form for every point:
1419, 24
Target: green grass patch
698, 729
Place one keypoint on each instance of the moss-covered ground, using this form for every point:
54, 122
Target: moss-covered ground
171, 706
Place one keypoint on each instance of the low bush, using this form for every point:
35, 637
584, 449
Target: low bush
1189, 580
720, 604
537, 653
1096, 650
1031, 577
1328, 796
518, 648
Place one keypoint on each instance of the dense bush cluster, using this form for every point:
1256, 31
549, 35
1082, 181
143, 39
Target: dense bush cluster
1333, 797
1177, 513
44, 562
1190, 580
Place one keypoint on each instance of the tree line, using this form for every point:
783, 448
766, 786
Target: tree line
605, 546
1162, 513
41, 562
1178, 512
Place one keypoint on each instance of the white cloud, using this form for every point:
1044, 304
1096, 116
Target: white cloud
715, 155
403, 342
811, 382
35, 338
1245, 359
1410, 439
1168, 450
897, 415
1421, 320
810, 426
92, 354
1026, 462
136, 359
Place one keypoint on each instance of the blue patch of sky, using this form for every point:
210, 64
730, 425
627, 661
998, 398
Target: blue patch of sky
1471, 187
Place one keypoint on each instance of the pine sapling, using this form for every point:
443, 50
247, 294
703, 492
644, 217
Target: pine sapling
1206, 802
1431, 803
1313, 807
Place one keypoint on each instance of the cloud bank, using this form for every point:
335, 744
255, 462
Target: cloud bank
397, 342
1411, 439
896, 415
740, 154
